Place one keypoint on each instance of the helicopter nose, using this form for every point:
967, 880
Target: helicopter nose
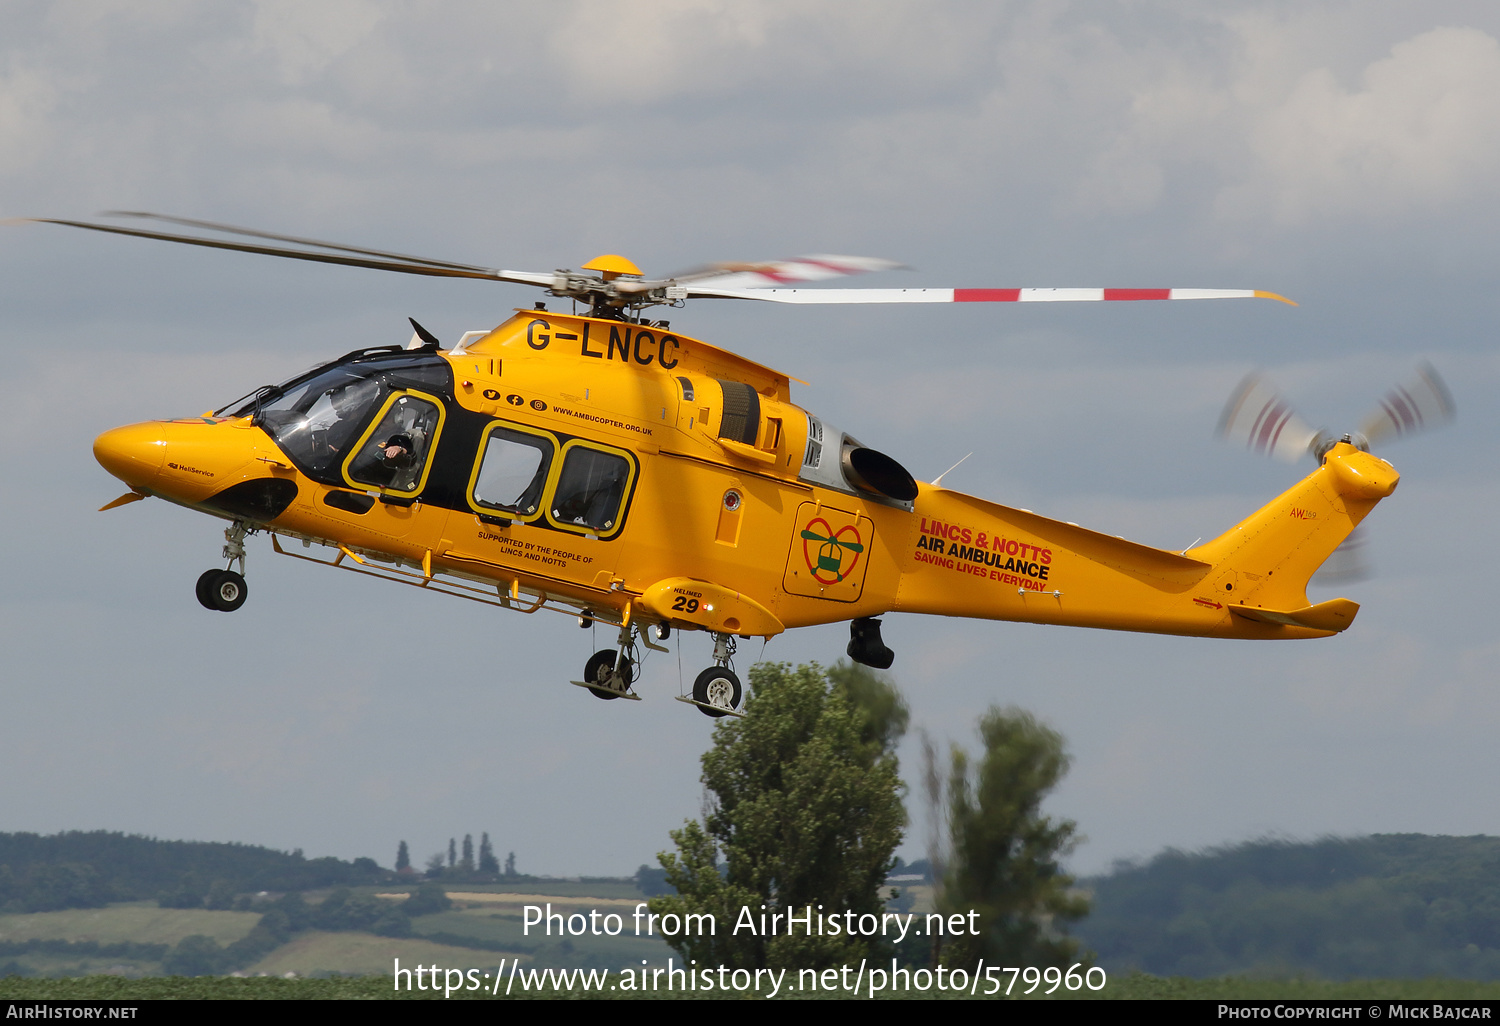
134, 454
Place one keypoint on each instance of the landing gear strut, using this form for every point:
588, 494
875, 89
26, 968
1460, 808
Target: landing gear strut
609, 673
225, 591
865, 645
717, 691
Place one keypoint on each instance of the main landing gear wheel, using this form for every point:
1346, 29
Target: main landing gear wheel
718, 687
600, 671
206, 582
221, 590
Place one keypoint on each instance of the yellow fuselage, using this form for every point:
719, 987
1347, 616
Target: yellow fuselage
671, 481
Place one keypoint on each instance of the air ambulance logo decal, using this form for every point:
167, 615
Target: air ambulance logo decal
830, 553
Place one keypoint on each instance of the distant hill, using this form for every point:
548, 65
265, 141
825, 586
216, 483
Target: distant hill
1391, 905
87, 869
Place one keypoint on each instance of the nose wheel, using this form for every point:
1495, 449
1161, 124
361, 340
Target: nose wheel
224, 591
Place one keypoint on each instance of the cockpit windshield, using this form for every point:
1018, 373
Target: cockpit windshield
317, 418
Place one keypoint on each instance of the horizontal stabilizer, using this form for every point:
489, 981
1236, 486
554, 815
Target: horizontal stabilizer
1333, 615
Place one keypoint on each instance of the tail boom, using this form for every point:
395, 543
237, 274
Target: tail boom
974, 558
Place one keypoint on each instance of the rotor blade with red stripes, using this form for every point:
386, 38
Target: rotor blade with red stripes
1422, 403
821, 296
1261, 420
770, 273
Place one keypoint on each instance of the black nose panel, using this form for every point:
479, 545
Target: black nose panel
263, 499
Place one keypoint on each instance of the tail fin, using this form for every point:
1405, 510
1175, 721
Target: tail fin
1262, 565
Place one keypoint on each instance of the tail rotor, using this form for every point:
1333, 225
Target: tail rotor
1260, 419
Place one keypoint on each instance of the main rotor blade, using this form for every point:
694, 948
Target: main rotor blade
1257, 417
817, 267
820, 296
1422, 403
254, 233
521, 277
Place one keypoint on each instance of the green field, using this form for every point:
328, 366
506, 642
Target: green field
484, 925
501, 924
619, 889
139, 921
362, 954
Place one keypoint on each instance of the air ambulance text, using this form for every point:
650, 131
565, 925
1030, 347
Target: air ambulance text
974, 552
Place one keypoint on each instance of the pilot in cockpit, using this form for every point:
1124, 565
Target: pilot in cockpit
397, 456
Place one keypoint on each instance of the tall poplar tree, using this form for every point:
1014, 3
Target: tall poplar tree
1004, 858
487, 861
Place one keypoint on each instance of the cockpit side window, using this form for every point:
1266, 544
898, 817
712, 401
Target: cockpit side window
393, 456
318, 418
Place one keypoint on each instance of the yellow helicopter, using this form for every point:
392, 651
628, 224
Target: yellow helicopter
604, 465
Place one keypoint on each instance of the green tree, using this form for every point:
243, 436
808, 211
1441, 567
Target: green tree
403, 858
1004, 854
220, 895
466, 863
805, 809
488, 864
68, 885
427, 899
187, 894
198, 955
879, 703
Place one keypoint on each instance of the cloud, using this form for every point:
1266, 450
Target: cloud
1421, 130
305, 39
27, 99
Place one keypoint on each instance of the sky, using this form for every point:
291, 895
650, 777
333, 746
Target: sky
1344, 154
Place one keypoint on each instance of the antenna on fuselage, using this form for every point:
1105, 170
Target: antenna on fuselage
937, 481
423, 337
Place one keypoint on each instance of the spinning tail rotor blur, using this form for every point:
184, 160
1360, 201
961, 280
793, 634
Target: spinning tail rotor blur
1261, 420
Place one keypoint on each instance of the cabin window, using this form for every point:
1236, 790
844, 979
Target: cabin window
591, 489
512, 471
393, 456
